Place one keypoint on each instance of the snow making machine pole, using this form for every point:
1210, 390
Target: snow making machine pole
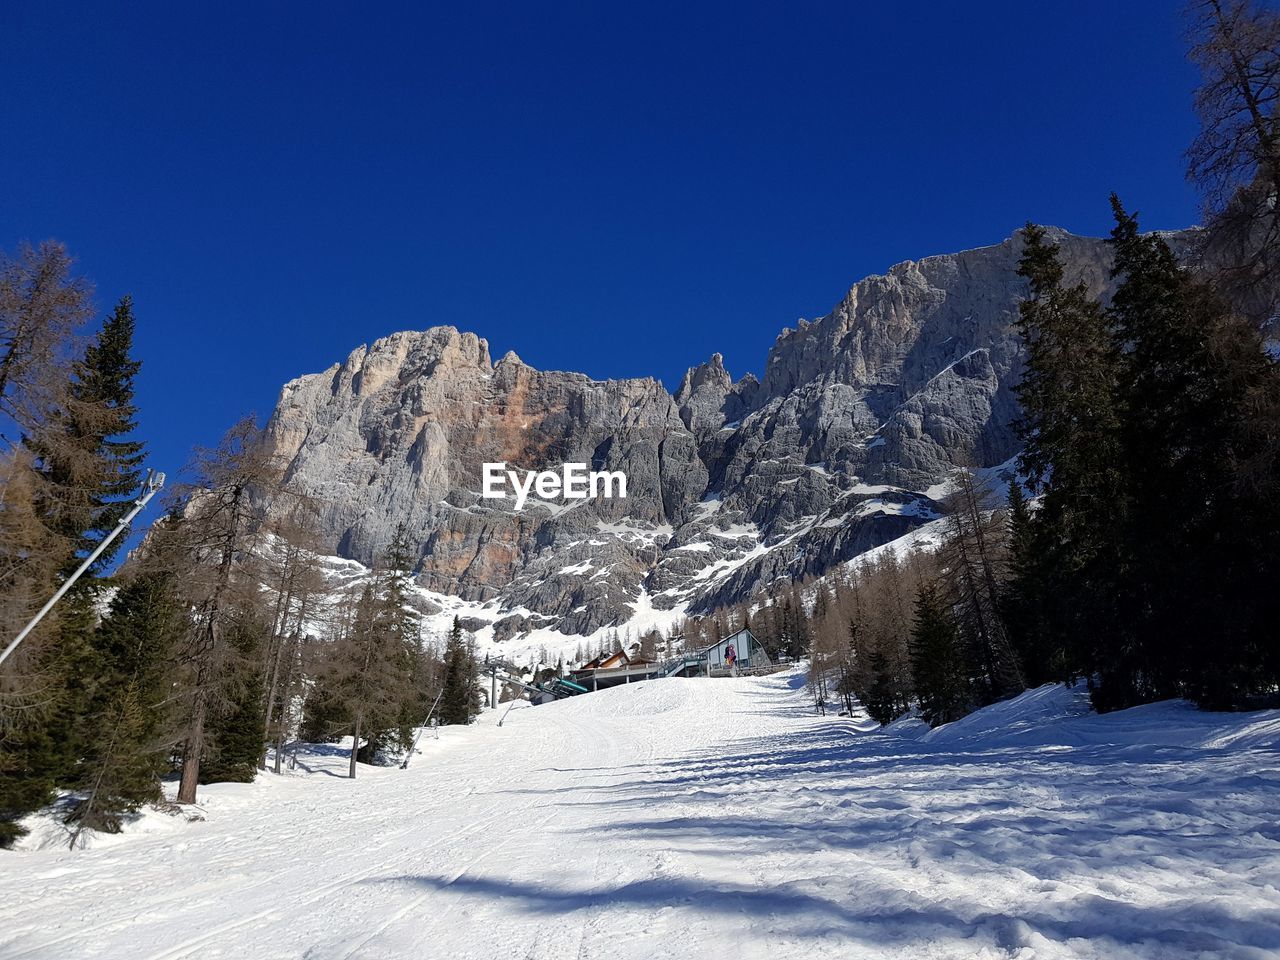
426, 723
150, 487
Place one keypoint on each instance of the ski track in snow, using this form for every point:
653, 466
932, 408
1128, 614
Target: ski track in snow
707, 818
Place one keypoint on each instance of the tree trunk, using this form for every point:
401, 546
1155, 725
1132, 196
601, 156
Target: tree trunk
286, 695
355, 744
272, 692
191, 751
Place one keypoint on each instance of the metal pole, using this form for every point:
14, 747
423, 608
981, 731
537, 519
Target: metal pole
150, 486
414, 746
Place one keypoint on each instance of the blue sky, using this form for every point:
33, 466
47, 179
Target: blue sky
611, 190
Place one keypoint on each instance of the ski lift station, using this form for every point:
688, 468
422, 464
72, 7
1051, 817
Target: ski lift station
731, 656
735, 655
737, 652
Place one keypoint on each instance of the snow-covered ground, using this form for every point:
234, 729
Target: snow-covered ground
710, 819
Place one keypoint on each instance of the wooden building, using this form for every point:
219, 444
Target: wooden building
611, 669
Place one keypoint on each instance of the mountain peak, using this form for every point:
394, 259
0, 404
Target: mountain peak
830, 454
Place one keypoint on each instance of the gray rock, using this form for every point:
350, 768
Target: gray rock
730, 484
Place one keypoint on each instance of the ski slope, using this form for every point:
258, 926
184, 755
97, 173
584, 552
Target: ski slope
707, 818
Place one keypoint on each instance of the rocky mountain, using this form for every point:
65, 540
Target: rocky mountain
839, 447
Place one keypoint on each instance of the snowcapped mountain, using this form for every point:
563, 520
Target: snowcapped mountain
836, 450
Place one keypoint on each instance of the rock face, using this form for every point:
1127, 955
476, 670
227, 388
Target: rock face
730, 484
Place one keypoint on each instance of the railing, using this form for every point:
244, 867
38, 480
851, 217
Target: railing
676, 664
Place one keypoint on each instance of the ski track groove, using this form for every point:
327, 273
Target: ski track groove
342, 883
183, 896
422, 897
696, 819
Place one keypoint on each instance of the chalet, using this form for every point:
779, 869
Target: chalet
611, 669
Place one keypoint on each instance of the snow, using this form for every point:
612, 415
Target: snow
634, 532
708, 818
708, 506
915, 508
873, 489
645, 616
736, 531
927, 536
994, 478
723, 567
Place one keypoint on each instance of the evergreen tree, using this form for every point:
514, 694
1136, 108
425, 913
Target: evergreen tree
93, 472
403, 630
972, 557
324, 715
123, 763
1069, 426
881, 697
91, 467
233, 737
103, 382
456, 701
59, 495
938, 661
1023, 597
1189, 371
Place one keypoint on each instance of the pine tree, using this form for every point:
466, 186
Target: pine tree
881, 699
103, 381
403, 636
123, 763
324, 715
93, 471
55, 488
1023, 597
973, 563
233, 737
456, 701
1071, 457
1189, 371
938, 661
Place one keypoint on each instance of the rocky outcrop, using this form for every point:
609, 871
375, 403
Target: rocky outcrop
730, 483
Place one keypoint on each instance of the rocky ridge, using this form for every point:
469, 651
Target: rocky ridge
839, 447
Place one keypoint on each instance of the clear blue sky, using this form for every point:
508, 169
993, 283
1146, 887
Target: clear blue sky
620, 192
